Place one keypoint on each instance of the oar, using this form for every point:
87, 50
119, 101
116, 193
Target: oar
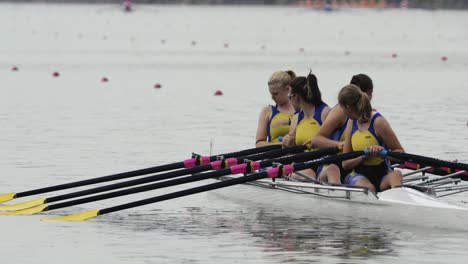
270, 173
236, 169
189, 163
454, 166
440, 171
215, 165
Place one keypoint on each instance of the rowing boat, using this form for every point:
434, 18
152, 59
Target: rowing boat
410, 205
418, 202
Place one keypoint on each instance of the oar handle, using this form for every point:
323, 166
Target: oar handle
382, 153
198, 160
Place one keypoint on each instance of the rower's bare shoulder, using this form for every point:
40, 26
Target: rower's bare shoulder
336, 116
266, 111
381, 121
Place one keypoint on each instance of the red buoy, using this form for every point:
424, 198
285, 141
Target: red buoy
444, 58
394, 55
127, 5
301, 50
157, 86
218, 93
56, 74
104, 79
226, 45
14, 68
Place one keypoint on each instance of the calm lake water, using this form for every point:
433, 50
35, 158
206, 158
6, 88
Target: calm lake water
73, 127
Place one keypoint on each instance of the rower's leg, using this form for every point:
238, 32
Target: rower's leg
391, 180
364, 182
304, 175
331, 174
359, 180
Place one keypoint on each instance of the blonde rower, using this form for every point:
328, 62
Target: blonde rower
273, 122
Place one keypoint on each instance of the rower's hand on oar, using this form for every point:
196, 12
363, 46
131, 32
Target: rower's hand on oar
308, 143
374, 150
288, 140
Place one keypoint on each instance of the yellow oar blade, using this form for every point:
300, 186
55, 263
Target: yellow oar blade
23, 205
76, 217
28, 211
7, 197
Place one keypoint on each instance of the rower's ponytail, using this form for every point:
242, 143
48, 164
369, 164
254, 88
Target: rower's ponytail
307, 88
351, 96
364, 107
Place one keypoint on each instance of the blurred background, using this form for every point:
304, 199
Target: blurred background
426, 4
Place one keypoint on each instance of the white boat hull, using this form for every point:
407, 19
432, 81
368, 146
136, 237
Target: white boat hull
401, 206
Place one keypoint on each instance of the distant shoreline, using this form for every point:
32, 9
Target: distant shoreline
424, 4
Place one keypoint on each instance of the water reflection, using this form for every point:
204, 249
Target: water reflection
278, 235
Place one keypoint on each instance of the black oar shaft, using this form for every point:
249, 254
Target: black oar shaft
140, 172
138, 189
169, 175
198, 177
112, 177
195, 190
217, 185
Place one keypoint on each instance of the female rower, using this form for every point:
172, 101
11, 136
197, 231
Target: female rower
273, 122
306, 98
331, 133
368, 129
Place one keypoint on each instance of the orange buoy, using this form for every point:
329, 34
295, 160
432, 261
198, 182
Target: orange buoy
218, 93
56, 74
157, 86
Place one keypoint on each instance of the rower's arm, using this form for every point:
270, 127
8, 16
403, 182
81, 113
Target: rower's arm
290, 139
386, 133
351, 163
334, 120
261, 136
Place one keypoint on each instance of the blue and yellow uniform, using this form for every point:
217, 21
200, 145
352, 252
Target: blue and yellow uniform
278, 125
373, 168
308, 127
339, 133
